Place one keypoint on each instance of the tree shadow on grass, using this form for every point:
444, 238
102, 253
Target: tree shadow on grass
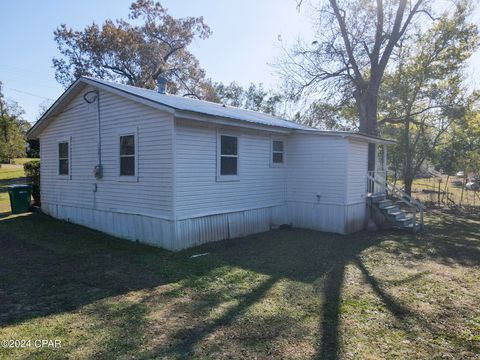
394, 306
49, 267
330, 324
52, 267
299, 255
188, 338
448, 240
408, 318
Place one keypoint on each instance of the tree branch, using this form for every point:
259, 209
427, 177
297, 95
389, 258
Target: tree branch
378, 36
120, 71
428, 14
343, 30
396, 120
397, 31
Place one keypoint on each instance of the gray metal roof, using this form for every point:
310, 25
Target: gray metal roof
205, 107
187, 105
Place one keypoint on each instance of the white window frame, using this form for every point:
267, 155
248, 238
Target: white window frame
127, 132
284, 152
67, 140
219, 156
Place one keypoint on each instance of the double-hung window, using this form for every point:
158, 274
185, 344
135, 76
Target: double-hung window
128, 155
278, 153
227, 157
64, 158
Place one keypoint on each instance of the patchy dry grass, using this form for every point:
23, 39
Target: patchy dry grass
288, 293
471, 198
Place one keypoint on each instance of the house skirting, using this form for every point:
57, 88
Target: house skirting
329, 217
146, 229
199, 230
185, 233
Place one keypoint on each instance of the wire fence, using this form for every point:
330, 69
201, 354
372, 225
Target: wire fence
447, 192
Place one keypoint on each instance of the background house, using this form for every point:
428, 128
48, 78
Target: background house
176, 172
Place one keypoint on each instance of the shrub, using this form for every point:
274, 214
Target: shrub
32, 171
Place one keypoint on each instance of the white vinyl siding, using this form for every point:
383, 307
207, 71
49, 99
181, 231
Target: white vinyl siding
357, 171
199, 193
316, 169
151, 195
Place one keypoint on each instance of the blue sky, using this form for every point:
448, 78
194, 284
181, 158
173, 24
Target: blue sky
243, 42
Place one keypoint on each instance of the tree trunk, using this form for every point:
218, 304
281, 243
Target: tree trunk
367, 111
408, 185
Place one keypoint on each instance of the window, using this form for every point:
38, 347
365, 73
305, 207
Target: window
128, 163
278, 152
127, 155
228, 156
64, 158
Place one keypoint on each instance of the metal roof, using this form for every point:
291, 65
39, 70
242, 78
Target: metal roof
205, 107
184, 104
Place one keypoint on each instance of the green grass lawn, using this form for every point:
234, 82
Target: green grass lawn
9, 174
11, 171
21, 161
288, 293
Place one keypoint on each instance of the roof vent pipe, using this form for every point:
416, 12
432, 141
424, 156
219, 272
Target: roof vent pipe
161, 84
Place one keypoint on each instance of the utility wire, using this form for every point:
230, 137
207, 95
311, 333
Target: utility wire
28, 93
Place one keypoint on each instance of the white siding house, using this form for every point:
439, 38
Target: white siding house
176, 172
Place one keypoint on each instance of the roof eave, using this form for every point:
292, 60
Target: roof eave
227, 121
346, 134
74, 89
37, 128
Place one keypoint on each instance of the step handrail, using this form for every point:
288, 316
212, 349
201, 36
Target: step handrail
401, 195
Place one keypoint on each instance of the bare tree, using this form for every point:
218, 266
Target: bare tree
354, 42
